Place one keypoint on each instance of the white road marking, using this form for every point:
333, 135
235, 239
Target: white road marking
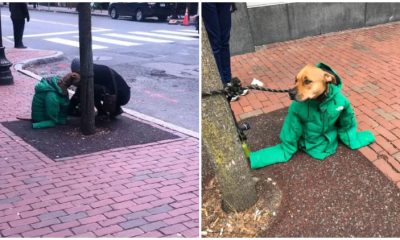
113, 41
8, 40
189, 34
159, 35
189, 30
54, 22
138, 38
58, 33
71, 43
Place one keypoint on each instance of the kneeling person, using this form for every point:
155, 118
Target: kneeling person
110, 90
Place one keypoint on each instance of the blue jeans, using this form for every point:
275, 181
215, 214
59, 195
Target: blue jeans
217, 21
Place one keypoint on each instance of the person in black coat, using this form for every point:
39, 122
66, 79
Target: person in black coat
106, 82
19, 11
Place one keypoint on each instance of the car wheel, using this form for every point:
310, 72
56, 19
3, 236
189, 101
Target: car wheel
113, 13
139, 15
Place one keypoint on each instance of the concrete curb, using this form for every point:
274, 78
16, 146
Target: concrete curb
161, 123
40, 60
59, 55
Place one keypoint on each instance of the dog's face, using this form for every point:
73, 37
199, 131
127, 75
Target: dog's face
311, 82
72, 78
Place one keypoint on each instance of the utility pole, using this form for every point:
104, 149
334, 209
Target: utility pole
6, 77
86, 69
221, 140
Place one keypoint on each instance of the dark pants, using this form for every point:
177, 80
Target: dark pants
217, 21
18, 26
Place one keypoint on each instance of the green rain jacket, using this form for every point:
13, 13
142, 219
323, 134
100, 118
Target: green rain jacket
313, 126
49, 104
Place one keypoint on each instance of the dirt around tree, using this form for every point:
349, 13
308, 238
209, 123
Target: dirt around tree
344, 195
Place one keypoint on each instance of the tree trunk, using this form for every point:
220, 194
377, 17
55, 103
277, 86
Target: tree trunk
86, 60
221, 139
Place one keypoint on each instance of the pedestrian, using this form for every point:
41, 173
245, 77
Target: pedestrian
19, 11
110, 91
217, 21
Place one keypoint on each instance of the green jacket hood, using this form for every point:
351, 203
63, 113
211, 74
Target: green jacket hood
48, 85
333, 88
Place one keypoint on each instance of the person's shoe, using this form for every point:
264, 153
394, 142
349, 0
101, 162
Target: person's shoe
119, 111
21, 46
243, 91
234, 98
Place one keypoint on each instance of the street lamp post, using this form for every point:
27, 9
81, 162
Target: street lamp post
6, 77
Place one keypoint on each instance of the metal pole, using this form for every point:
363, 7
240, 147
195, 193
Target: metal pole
86, 60
6, 77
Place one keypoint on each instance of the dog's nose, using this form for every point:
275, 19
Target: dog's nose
292, 93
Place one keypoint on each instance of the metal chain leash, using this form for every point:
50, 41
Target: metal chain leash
234, 88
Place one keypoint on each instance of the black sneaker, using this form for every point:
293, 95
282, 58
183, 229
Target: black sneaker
243, 91
231, 94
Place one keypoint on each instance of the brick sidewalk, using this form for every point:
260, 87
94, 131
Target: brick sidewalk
368, 60
146, 190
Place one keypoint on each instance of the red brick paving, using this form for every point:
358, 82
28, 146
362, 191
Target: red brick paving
367, 59
97, 194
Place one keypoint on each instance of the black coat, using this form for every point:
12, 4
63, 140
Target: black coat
102, 77
19, 10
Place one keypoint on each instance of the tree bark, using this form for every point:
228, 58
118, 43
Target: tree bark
86, 61
221, 139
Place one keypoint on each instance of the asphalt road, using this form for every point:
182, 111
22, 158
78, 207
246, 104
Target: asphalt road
159, 61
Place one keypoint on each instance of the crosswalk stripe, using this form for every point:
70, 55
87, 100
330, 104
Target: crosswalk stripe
189, 30
58, 33
164, 36
189, 34
113, 41
71, 43
138, 38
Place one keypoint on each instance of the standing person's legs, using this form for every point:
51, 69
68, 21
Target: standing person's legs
224, 19
211, 23
18, 27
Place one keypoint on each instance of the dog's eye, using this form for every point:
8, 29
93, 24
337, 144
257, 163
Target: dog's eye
307, 81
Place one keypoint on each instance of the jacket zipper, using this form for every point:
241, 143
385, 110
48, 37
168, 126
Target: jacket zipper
323, 127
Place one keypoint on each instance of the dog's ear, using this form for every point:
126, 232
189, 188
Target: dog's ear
330, 78
75, 78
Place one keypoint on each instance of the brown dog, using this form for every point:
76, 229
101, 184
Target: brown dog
71, 78
320, 115
311, 82
64, 83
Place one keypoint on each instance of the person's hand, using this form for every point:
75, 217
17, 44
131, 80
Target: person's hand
28, 18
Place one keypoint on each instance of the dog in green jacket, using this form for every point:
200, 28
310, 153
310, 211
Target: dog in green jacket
319, 114
50, 102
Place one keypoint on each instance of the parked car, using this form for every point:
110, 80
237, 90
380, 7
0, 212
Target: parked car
140, 11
